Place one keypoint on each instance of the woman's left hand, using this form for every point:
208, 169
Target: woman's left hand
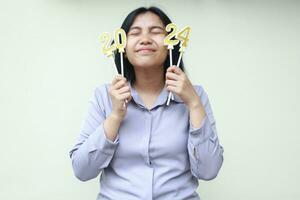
179, 83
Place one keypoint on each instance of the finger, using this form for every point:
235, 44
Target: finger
171, 88
124, 96
123, 89
172, 76
116, 79
121, 83
171, 68
172, 83
175, 70
129, 98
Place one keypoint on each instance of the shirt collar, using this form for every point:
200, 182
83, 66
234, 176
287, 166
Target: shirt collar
161, 99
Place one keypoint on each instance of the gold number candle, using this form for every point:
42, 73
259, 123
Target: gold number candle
168, 39
120, 45
107, 49
183, 36
120, 34
172, 28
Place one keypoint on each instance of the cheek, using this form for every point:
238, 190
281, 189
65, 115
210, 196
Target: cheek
159, 40
163, 56
163, 52
162, 48
129, 49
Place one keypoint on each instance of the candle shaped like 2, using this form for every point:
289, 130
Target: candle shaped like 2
108, 48
170, 42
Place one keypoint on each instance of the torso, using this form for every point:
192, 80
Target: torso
148, 98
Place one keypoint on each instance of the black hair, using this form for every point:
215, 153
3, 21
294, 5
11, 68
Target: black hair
127, 23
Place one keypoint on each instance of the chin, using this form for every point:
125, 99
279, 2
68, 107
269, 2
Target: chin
145, 65
146, 62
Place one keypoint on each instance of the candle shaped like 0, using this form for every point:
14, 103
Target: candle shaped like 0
120, 45
183, 36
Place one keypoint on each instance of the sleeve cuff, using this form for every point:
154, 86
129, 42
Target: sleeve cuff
194, 130
98, 141
200, 135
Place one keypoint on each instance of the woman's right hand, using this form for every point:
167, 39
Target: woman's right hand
119, 91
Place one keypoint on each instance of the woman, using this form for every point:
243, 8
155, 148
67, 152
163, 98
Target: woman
146, 149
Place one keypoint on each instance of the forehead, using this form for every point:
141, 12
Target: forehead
147, 19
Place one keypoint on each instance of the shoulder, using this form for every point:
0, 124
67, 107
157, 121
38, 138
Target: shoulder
100, 95
199, 89
202, 93
205, 101
101, 89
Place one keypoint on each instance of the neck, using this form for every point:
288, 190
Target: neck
149, 80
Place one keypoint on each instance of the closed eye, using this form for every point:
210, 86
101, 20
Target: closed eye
134, 31
157, 30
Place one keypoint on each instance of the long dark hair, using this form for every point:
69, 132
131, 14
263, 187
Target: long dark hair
128, 68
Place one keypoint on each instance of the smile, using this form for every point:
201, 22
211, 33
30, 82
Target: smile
145, 51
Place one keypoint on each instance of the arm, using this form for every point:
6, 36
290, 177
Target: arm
97, 140
205, 152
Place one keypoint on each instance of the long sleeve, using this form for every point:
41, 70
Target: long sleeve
205, 151
93, 151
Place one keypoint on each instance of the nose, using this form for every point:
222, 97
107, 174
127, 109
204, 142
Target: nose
145, 40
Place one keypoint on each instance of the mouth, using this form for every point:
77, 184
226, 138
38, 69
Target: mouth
145, 51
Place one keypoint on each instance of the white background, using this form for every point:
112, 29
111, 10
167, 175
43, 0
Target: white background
246, 54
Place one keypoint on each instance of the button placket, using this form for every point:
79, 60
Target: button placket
148, 123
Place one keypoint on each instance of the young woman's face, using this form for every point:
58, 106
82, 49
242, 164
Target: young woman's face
145, 42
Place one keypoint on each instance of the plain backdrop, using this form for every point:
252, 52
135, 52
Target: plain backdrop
246, 55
